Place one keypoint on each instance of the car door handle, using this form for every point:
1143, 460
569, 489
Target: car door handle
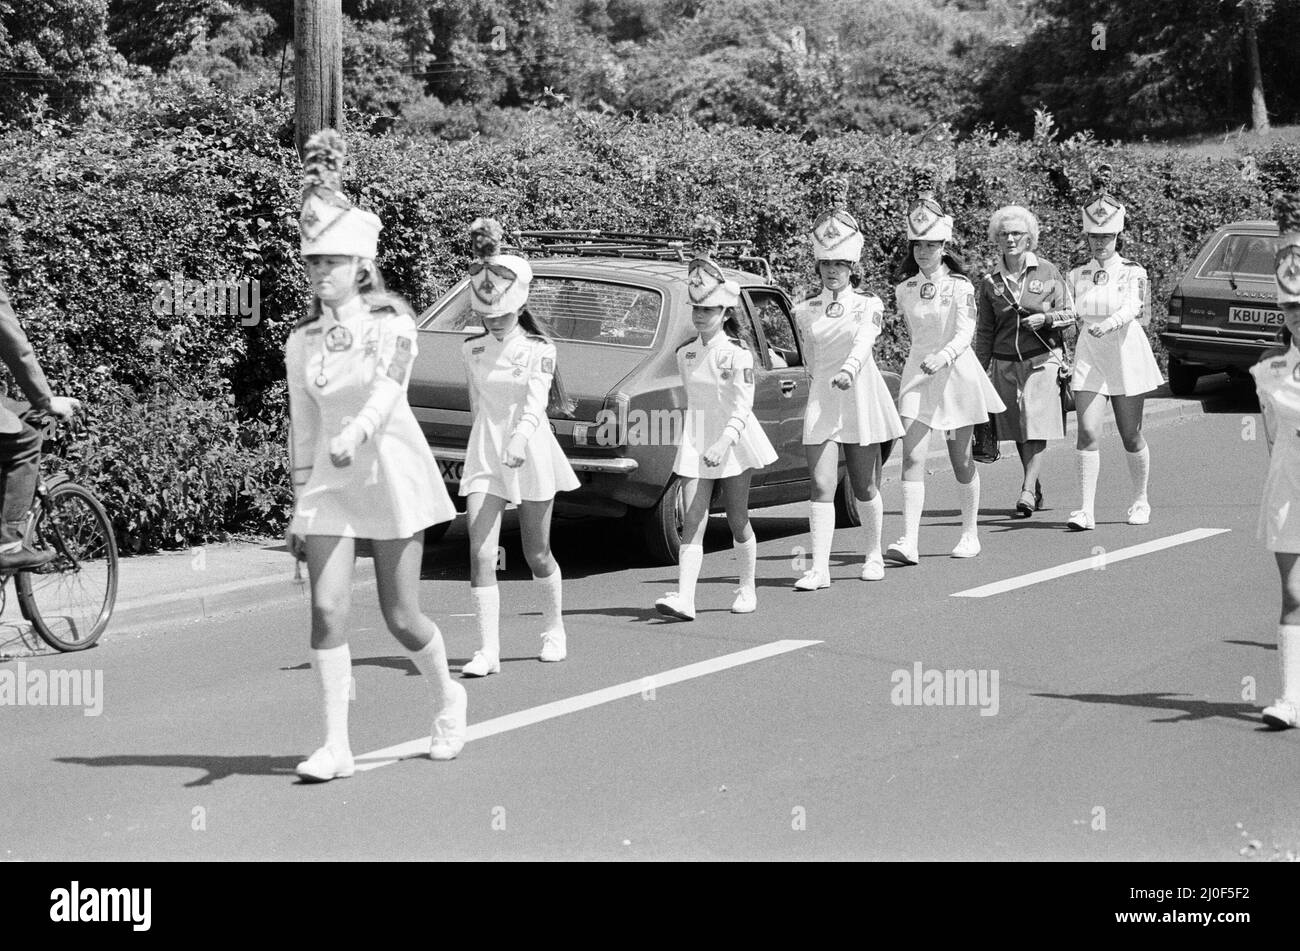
787, 387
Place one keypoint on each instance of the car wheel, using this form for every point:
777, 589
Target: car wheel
1182, 378
846, 506
662, 526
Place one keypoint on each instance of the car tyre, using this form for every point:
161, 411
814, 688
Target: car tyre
1182, 378
662, 526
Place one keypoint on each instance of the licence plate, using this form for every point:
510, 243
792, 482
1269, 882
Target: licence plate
451, 469
1255, 316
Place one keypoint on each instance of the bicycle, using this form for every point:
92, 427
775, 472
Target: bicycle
70, 600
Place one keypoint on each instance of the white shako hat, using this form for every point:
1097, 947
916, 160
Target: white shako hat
1102, 214
836, 237
925, 219
1286, 265
706, 284
329, 223
498, 283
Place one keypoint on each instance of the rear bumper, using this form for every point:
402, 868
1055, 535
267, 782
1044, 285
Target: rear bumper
615, 466
1216, 352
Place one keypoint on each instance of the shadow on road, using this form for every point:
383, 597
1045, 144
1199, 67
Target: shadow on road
213, 767
584, 546
1185, 710
1218, 393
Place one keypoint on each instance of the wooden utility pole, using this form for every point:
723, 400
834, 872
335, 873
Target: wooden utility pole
318, 67
1251, 14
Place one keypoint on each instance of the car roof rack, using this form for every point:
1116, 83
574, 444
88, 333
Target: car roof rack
633, 244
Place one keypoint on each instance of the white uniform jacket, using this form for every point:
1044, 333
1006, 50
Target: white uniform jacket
940, 314
864, 413
1114, 297
719, 380
509, 384
351, 367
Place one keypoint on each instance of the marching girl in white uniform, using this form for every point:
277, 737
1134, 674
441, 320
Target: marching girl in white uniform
849, 404
1113, 358
512, 456
721, 438
361, 466
944, 387
1277, 380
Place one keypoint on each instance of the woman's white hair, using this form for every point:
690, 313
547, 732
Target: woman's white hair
1010, 213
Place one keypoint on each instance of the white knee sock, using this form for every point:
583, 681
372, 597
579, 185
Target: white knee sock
1288, 648
688, 571
334, 667
913, 505
747, 556
487, 608
970, 504
553, 605
821, 526
1139, 467
1089, 467
872, 513
434, 668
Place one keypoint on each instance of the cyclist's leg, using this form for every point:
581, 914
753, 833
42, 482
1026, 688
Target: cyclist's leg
20, 463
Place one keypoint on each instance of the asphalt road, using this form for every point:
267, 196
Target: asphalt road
1120, 729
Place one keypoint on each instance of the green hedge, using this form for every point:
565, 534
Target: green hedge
201, 184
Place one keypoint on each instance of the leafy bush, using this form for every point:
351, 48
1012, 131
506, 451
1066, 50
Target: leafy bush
205, 184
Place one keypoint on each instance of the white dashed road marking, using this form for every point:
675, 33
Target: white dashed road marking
549, 711
1102, 559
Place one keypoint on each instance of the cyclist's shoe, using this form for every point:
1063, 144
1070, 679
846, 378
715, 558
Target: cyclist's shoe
26, 558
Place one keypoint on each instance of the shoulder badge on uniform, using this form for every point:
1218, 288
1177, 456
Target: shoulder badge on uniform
749, 374
548, 365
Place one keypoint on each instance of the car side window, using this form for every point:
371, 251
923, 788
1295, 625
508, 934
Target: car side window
770, 311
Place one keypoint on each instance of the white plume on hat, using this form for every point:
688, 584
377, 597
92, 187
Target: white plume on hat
925, 218
499, 282
329, 223
1102, 214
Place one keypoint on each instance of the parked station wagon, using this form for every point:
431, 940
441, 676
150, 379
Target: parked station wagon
617, 322
1223, 313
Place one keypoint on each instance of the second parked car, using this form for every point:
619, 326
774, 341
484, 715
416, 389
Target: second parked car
1223, 313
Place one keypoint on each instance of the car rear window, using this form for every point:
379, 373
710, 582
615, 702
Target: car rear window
1240, 255
572, 309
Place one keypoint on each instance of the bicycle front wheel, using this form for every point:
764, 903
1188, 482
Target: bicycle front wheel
70, 600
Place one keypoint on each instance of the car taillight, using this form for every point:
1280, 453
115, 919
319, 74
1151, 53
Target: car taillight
1175, 310
611, 423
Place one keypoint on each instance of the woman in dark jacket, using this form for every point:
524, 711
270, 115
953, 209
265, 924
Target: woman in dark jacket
1018, 332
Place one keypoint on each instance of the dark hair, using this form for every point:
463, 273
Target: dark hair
907, 268
731, 326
